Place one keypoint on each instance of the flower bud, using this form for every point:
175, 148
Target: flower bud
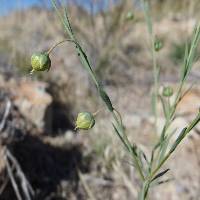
85, 120
167, 91
40, 62
158, 45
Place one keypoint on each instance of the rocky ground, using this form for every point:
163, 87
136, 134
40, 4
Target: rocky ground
43, 156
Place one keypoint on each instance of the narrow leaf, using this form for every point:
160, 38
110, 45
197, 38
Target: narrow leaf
160, 174
105, 98
178, 140
165, 106
120, 137
156, 182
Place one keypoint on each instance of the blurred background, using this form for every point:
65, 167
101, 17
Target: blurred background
46, 158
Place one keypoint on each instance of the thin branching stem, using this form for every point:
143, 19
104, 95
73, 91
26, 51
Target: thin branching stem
159, 153
185, 131
83, 57
154, 59
57, 44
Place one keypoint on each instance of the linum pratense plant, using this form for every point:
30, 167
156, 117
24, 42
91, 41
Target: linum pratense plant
149, 169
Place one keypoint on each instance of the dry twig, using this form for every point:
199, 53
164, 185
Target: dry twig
26, 187
6, 114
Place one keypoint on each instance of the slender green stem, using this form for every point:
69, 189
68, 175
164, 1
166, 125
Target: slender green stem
128, 145
144, 191
57, 44
118, 124
154, 58
103, 95
186, 131
156, 79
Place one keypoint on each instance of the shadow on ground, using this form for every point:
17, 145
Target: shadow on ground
46, 167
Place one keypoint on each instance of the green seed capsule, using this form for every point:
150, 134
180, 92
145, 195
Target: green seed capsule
40, 62
129, 16
158, 45
167, 91
85, 120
